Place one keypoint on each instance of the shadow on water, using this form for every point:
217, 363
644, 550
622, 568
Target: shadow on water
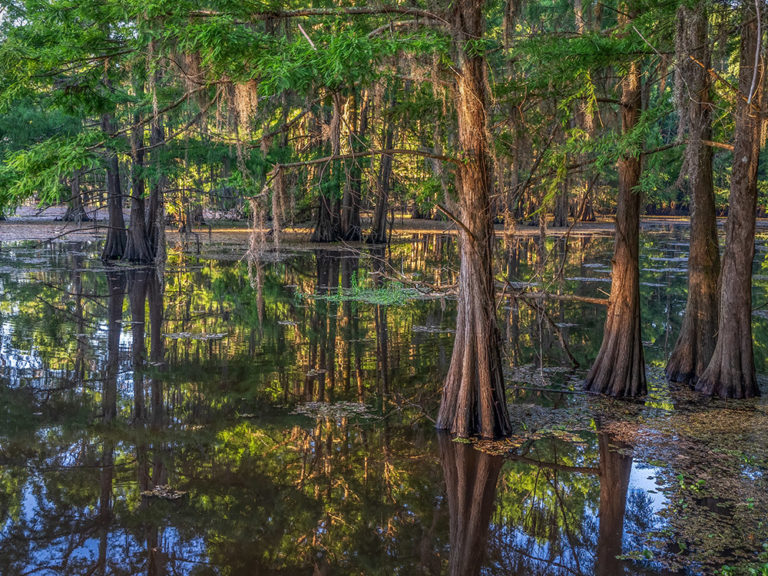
173, 424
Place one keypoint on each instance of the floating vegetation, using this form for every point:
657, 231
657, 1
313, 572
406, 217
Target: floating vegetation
334, 411
433, 330
590, 279
163, 492
196, 336
669, 259
391, 294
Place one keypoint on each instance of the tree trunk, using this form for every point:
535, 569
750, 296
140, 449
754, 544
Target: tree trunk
470, 484
324, 226
731, 371
328, 222
474, 400
137, 249
75, 210
561, 205
351, 226
378, 233
619, 369
114, 247
696, 341
156, 212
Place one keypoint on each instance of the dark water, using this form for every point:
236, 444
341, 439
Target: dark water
210, 421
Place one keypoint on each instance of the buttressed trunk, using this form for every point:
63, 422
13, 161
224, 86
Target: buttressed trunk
696, 341
619, 369
138, 247
473, 400
114, 247
731, 371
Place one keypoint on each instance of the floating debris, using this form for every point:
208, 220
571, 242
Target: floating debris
433, 330
164, 492
669, 259
333, 411
198, 336
590, 279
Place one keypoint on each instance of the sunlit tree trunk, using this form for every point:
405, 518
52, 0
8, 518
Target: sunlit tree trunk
351, 226
731, 371
378, 233
696, 341
474, 400
619, 369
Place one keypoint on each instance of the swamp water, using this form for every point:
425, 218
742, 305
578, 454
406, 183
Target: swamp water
208, 420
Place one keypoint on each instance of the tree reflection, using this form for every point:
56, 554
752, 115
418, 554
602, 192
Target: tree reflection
470, 483
615, 469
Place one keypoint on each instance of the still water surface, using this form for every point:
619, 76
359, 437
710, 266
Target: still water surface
214, 420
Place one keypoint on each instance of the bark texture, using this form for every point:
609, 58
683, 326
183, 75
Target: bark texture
731, 370
351, 225
698, 334
378, 233
138, 246
156, 210
114, 247
76, 208
473, 400
619, 369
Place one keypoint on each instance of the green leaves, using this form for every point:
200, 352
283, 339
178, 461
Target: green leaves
43, 168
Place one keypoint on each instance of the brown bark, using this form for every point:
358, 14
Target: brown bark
75, 210
696, 341
114, 247
137, 248
328, 221
378, 233
473, 400
731, 371
156, 210
470, 483
619, 369
561, 206
351, 226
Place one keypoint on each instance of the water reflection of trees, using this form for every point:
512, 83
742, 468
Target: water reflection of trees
269, 491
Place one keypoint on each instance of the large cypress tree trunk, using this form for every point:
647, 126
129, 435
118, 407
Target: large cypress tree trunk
696, 341
619, 369
378, 233
114, 247
75, 210
328, 222
156, 211
473, 400
351, 226
137, 249
731, 371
